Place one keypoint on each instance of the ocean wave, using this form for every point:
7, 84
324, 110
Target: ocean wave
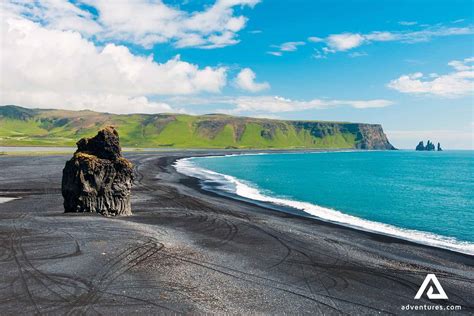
6, 199
232, 185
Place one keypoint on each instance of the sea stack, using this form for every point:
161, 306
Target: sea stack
420, 146
439, 147
98, 179
429, 146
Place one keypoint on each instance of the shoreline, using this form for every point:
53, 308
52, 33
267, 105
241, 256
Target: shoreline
274, 207
214, 189
187, 250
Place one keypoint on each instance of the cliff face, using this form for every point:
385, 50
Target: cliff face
26, 127
373, 137
367, 136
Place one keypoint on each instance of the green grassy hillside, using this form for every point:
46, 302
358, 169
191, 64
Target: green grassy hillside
33, 127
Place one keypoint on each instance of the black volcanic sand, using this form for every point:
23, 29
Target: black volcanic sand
188, 251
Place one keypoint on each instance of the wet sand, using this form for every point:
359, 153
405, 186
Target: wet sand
186, 250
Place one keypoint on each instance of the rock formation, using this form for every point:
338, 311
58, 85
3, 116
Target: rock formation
429, 146
439, 147
97, 178
420, 146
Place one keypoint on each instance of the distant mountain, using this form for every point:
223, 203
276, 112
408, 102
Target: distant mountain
38, 127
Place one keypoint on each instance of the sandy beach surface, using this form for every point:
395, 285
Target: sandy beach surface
189, 251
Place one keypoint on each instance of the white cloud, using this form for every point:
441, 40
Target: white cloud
407, 23
246, 80
276, 104
347, 41
58, 14
268, 116
140, 21
285, 47
458, 83
429, 33
101, 102
344, 41
462, 65
319, 55
41, 67
381, 37
314, 39
278, 54
290, 46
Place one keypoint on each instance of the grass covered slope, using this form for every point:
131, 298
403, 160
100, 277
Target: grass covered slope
34, 127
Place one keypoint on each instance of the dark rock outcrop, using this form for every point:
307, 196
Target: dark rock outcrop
420, 146
439, 147
97, 178
429, 146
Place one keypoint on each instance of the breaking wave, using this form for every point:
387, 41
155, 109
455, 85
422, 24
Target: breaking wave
225, 183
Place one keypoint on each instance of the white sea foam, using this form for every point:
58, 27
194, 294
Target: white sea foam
6, 199
241, 188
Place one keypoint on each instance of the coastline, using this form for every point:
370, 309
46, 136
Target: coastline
188, 250
215, 182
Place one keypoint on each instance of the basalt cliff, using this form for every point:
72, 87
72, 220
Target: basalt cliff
39, 127
98, 179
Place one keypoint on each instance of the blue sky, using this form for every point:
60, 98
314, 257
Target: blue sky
404, 64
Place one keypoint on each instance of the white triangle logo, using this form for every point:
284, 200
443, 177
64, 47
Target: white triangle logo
441, 295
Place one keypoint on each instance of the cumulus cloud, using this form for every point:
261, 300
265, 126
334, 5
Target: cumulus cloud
42, 67
276, 104
346, 41
140, 21
57, 14
246, 80
458, 83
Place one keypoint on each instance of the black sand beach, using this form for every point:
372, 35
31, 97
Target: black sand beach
186, 250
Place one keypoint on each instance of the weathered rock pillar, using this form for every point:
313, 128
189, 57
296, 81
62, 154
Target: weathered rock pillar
97, 178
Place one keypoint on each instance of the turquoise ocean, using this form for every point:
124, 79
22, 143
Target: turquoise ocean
425, 197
